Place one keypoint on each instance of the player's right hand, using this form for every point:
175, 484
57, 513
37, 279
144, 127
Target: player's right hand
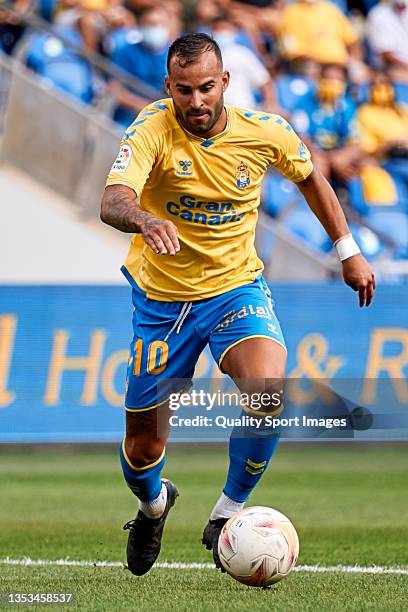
160, 236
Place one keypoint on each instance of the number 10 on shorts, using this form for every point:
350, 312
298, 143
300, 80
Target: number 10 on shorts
157, 355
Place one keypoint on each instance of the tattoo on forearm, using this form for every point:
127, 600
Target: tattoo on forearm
120, 210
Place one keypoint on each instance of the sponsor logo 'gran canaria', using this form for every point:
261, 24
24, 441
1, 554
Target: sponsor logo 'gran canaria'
203, 212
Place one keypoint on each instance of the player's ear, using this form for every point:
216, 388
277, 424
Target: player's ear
167, 85
225, 80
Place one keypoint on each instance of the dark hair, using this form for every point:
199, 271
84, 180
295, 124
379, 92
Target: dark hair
189, 47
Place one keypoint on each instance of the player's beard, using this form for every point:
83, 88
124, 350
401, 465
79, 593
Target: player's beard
200, 129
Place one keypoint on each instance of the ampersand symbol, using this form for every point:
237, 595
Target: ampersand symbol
316, 365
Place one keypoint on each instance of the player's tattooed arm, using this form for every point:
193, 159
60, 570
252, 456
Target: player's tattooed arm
120, 210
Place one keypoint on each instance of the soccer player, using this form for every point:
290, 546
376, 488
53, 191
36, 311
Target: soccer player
196, 167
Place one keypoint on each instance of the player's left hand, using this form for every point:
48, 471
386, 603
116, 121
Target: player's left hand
359, 276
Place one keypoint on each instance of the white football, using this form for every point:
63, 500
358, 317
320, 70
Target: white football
258, 546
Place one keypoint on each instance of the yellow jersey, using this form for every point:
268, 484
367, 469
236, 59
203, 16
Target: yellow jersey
210, 189
379, 124
318, 30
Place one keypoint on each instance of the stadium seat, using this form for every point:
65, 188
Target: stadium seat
119, 38
291, 90
394, 225
302, 223
370, 244
278, 193
64, 68
401, 92
398, 170
282, 199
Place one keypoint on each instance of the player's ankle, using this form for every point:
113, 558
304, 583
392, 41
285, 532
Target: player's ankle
154, 509
225, 507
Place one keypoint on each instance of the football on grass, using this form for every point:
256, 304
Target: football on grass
258, 546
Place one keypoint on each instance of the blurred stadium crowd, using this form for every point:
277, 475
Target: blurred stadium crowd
337, 70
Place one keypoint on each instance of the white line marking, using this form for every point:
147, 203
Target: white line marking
319, 569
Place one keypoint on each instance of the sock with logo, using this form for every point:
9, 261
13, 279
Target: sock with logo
250, 451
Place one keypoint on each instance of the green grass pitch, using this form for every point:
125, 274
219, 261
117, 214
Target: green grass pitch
349, 504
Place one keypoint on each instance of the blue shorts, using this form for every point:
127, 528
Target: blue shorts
169, 337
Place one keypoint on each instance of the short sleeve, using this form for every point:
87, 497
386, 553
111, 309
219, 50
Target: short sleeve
288, 153
138, 152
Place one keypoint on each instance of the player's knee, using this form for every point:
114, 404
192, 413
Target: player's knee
265, 398
143, 452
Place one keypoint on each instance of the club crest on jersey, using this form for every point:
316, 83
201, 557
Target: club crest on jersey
184, 168
242, 175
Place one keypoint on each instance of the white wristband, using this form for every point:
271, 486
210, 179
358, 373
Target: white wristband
346, 247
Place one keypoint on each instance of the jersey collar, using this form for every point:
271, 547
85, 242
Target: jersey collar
207, 142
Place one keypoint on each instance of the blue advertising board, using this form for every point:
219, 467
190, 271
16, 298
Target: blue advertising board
64, 352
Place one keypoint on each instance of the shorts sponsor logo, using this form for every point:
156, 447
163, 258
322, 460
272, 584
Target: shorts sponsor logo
123, 159
248, 310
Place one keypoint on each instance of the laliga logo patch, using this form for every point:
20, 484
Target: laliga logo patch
302, 151
122, 161
242, 175
185, 171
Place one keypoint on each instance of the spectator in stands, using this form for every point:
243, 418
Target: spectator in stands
174, 9
145, 60
93, 18
247, 20
387, 31
383, 125
319, 30
248, 74
326, 120
258, 23
295, 81
207, 11
380, 191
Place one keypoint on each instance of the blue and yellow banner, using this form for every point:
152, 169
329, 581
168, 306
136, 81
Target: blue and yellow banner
64, 351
